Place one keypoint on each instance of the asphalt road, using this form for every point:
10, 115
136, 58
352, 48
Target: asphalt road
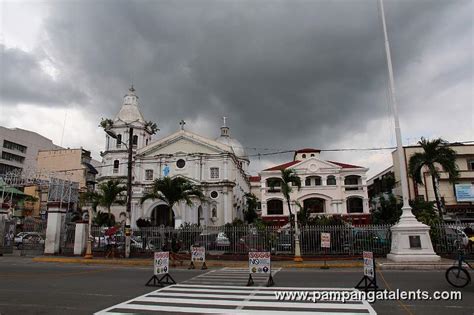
28, 287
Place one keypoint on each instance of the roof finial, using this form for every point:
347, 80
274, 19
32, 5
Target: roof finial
224, 119
182, 123
131, 89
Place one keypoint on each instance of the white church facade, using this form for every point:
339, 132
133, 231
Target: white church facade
217, 166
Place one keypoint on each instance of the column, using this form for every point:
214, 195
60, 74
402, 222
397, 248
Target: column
80, 238
56, 217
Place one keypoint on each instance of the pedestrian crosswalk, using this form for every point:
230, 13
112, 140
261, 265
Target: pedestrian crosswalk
224, 291
230, 276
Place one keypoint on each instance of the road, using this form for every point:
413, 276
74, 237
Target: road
28, 287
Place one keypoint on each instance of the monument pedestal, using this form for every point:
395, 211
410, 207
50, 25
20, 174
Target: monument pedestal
411, 240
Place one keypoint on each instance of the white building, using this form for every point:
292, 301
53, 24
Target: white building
328, 188
217, 166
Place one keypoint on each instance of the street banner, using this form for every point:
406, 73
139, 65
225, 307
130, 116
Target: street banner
198, 254
161, 264
325, 240
259, 262
368, 264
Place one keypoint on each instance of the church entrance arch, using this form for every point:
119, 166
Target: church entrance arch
160, 215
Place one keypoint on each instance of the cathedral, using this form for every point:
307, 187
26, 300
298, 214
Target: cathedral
218, 166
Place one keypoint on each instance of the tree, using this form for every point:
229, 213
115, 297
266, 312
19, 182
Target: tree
250, 214
108, 194
435, 153
288, 180
387, 211
172, 191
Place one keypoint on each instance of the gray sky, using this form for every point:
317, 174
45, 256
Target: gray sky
288, 74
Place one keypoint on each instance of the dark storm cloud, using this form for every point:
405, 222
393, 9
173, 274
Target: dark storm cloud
287, 73
23, 80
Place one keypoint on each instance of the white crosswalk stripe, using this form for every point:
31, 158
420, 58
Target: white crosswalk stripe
211, 293
230, 276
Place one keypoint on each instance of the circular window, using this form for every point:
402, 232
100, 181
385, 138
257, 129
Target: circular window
214, 194
180, 163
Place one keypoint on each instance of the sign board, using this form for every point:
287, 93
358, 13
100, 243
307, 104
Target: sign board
464, 192
415, 241
198, 254
325, 240
369, 264
161, 263
259, 262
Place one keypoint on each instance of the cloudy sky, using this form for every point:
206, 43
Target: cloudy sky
288, 74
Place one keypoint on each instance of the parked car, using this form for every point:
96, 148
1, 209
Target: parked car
31, 240
213, 241
25, 235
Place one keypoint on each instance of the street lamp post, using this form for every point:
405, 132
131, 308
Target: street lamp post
89, 237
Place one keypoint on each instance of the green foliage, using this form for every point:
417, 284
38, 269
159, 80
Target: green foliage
151, 127
106, 123
250, 214
172, 191
425, 212
387, 211
326, 220
143, 223
103, 219
435, 153
108, 193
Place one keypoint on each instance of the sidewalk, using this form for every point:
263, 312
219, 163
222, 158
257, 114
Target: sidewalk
382, 263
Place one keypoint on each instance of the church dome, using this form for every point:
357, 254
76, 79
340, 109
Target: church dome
236, 146
130, 111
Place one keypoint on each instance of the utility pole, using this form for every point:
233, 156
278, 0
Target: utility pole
129, 193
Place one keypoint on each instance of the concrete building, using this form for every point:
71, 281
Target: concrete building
455, 208
72, 164
19, 149
218, 166
328, 188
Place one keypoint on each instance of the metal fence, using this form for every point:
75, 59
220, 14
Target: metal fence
346, 240
447, 237
32, 243
7, 236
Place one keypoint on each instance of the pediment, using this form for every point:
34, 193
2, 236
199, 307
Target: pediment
183, 142
315, 165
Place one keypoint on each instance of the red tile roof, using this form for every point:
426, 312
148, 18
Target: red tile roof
254, 178
307, 150
282, 166
344, 165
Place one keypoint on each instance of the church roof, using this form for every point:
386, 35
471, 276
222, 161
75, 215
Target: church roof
130, 111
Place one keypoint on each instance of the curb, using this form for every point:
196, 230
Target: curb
149, 262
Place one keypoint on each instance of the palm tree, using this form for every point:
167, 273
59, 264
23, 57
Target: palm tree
108, 194
289, 179
435, 153
172, 191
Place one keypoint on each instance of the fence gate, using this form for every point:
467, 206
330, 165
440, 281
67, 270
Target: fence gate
68, 234
7, 236
32, 243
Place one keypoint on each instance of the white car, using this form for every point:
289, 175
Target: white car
20, 237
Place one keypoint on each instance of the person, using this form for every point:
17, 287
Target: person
470, 234
111, 246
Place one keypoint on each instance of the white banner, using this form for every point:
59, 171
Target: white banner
325, 240
198, 254
259, 262
161, 262
368, 264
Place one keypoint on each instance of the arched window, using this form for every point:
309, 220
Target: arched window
214, 213
274, 184
146, 142
354, 205
314, 205
313, 179
116, 166
351, 180
304, 156
119, 141
135, 140
307, 181
274, 206
331, 180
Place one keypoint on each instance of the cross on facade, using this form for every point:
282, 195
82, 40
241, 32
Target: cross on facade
182, 123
